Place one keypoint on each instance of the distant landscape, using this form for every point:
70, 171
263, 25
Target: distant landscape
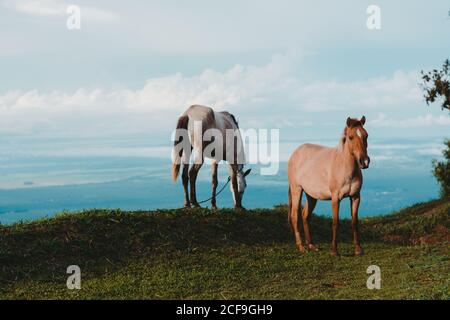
45, 179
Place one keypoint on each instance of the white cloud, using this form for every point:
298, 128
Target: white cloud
37, 7
256, 94
48, 8
125, 110
435, 151
419, 121
400, 88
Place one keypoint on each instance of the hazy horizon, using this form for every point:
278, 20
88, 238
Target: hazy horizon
36, 184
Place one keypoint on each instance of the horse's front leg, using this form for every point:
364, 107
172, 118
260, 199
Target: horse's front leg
214, 167
354, 205
335, 204
234, 185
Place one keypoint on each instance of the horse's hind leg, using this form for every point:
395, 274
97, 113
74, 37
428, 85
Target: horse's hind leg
306, 214
296, 199
185, 179
214, 166
192, 179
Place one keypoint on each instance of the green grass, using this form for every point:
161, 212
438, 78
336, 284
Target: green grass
203, 254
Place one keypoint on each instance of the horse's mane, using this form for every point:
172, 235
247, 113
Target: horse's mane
234, 119
342, 139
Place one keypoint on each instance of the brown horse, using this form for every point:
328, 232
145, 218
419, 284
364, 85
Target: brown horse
324, 173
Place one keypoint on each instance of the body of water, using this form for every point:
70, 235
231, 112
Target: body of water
43, 180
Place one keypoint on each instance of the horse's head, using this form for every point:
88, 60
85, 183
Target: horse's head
356, 137
241, 181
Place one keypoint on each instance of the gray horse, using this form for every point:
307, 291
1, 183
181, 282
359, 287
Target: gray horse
208, 134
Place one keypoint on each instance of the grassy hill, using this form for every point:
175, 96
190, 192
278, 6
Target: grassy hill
190, 254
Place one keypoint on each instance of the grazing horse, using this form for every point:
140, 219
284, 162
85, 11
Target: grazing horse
214, 135
324, 173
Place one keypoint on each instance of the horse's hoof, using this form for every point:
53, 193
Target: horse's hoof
187, 205
334, 253
240, 208
213, 207
359, 252
312, 247
301, 248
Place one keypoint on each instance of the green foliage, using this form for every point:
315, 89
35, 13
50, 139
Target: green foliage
223, 254
436, 84
441, 170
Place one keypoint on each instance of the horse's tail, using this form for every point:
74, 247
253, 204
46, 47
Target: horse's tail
176, 155
289, 206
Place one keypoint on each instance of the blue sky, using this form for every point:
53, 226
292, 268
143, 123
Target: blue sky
299, 66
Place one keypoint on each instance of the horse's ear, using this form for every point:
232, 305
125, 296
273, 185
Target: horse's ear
246, 173
349, 122
363, 120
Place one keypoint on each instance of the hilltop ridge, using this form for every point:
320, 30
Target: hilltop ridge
202, 253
